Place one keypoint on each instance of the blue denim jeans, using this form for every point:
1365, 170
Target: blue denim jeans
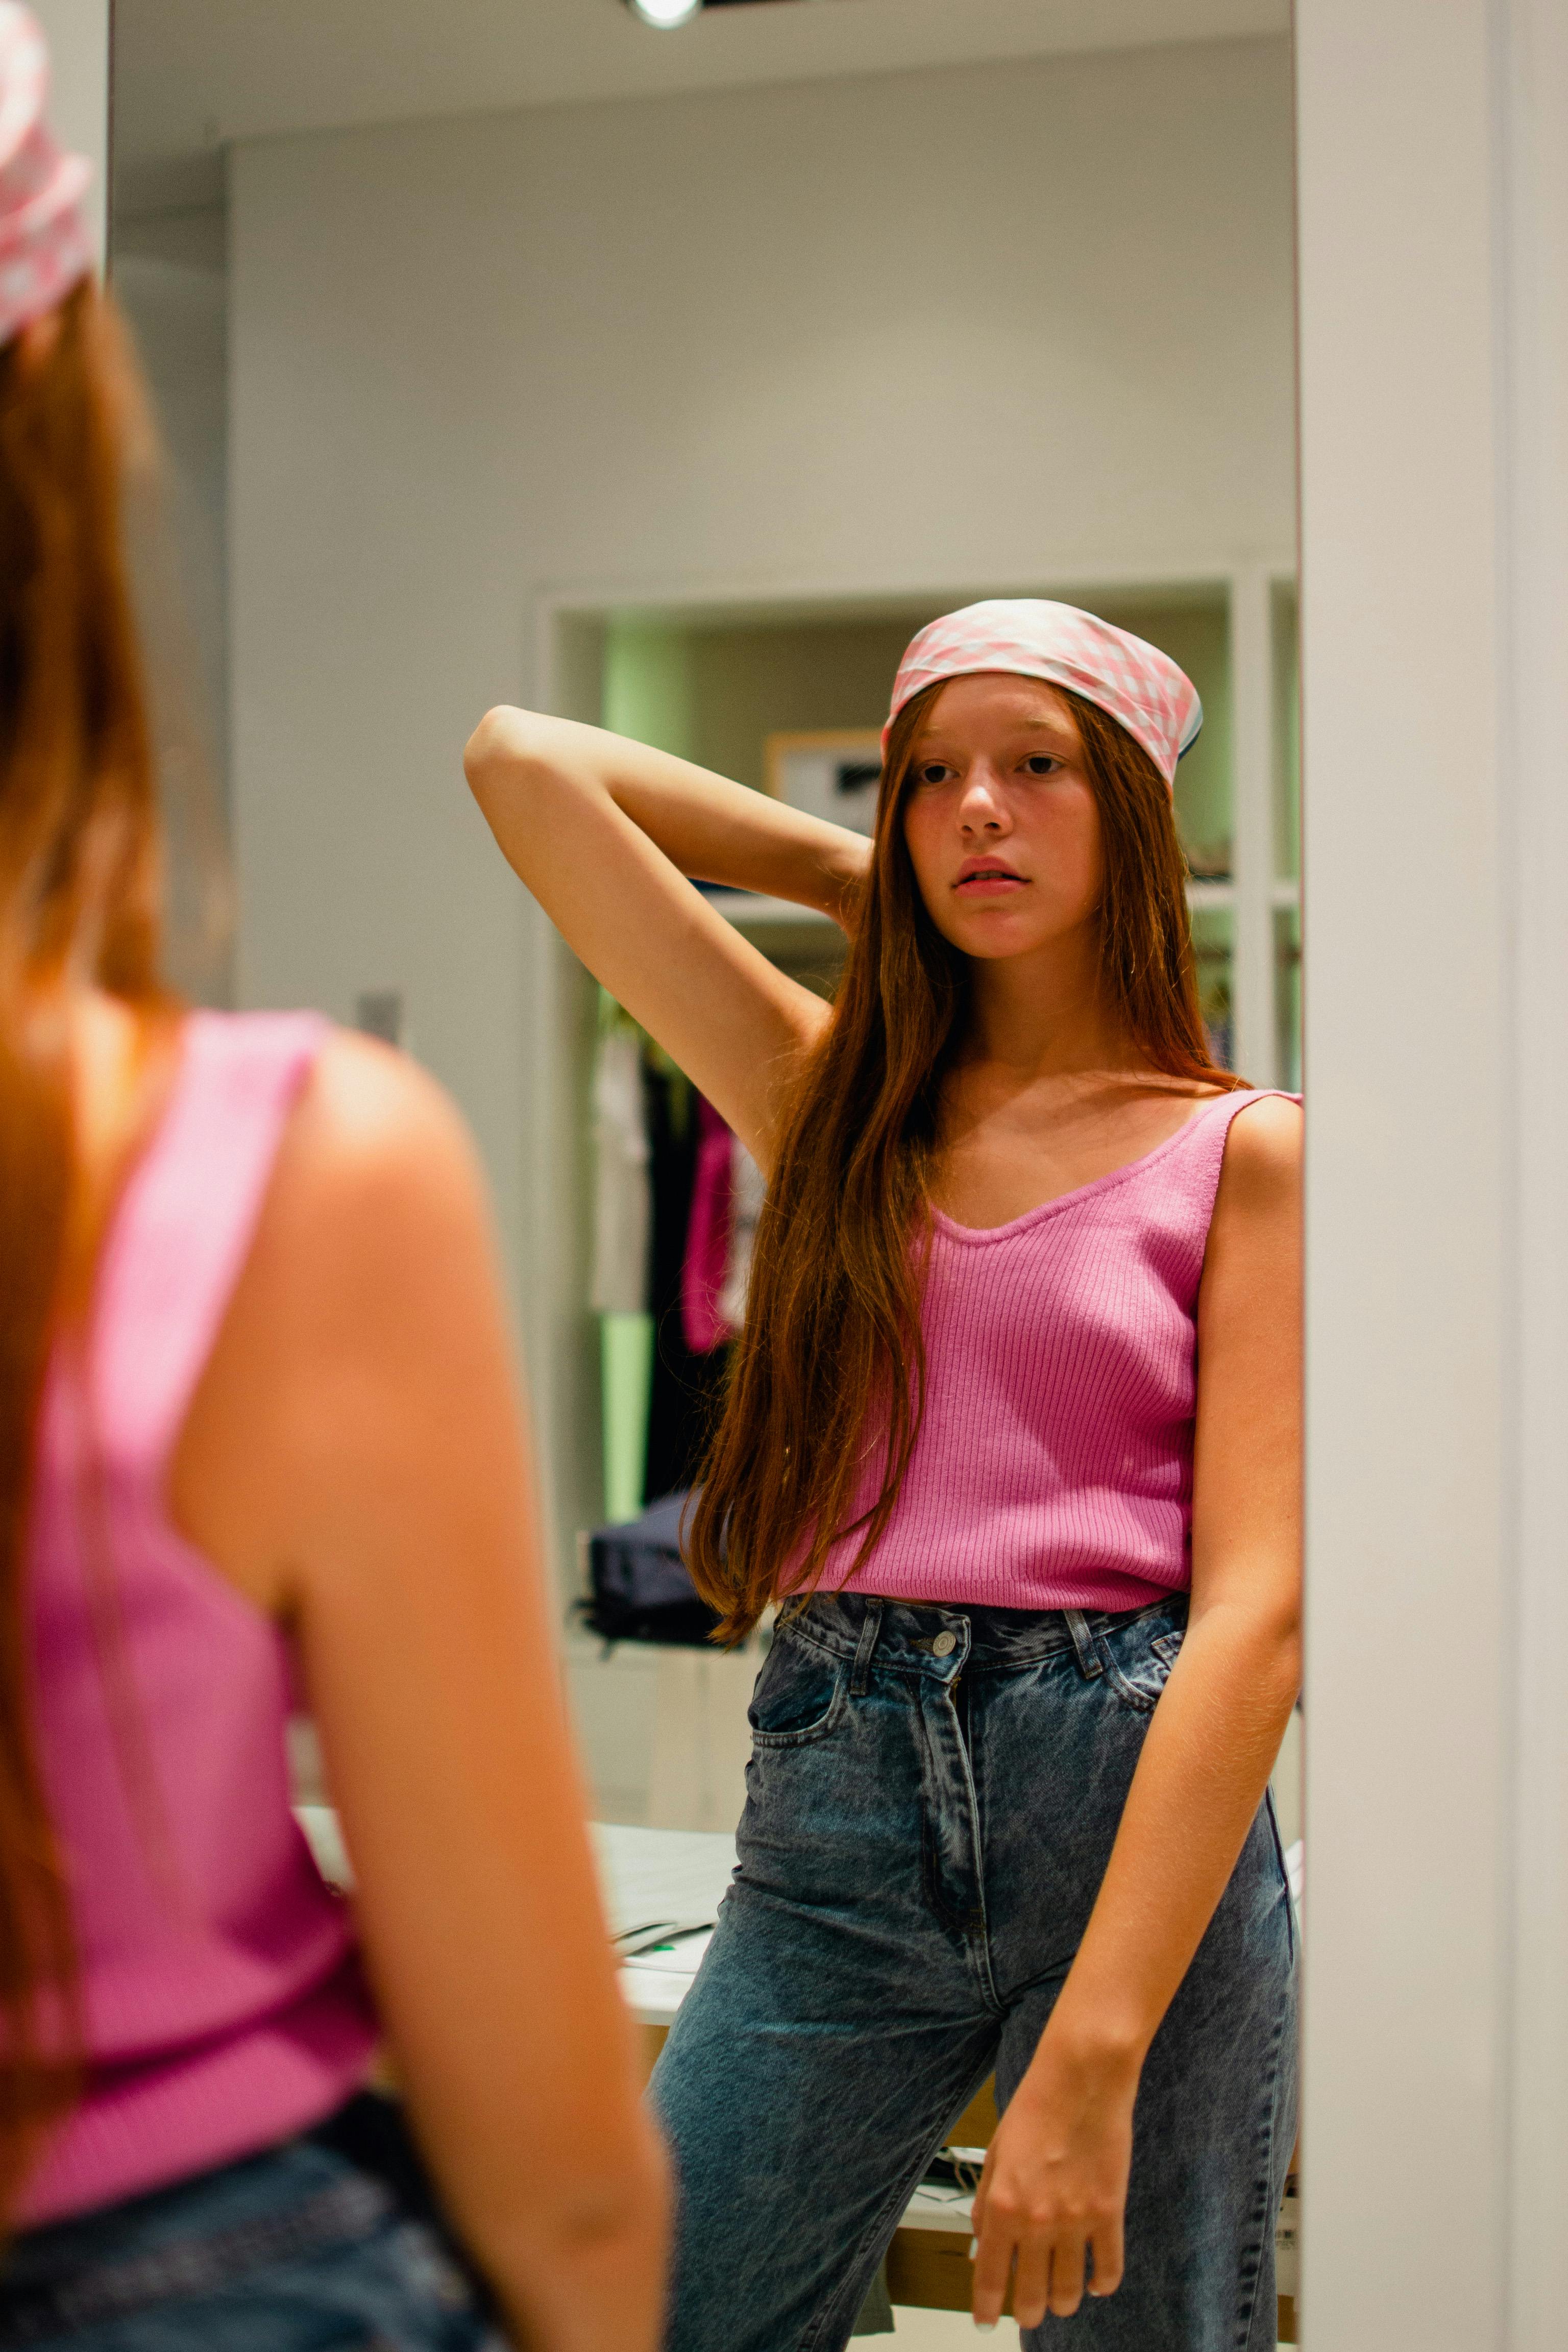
931, 1804
329, 2243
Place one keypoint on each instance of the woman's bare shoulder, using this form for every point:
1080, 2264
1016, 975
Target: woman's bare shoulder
1262, 1174
377, 1161
1268, 1135
366, 1099
369, 1292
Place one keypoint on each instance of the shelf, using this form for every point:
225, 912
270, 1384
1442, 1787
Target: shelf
750, 912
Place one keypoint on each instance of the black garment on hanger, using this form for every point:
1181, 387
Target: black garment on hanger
686, 1388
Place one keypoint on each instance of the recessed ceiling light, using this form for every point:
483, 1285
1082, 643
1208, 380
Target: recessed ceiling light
667, 14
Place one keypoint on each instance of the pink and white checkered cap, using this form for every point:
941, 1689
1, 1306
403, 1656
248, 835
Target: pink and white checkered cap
1136, 683
45, 243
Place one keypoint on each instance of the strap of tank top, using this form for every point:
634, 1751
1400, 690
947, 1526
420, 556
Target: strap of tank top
1206, 1136
185, 1223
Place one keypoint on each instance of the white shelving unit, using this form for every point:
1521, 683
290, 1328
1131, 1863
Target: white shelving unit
749, 912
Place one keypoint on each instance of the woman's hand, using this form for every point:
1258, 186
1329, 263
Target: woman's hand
1054, 2190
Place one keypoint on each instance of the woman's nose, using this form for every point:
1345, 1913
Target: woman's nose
982, 807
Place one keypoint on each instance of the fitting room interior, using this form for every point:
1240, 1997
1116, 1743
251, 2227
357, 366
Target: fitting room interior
518, 350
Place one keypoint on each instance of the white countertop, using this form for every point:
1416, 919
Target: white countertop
645, 1876
651, 1875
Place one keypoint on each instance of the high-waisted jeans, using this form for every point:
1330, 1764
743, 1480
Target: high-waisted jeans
327, 2243
931, 1804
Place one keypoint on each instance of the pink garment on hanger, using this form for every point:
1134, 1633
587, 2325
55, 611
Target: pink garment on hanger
707, 1259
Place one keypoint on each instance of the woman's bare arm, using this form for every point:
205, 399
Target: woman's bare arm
1056, 2176
355, 1462
604, 832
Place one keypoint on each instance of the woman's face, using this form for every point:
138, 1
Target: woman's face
1001, 822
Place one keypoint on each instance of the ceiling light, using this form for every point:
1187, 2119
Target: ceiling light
667, 14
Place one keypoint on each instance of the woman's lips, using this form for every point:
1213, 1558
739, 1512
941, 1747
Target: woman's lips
990, 882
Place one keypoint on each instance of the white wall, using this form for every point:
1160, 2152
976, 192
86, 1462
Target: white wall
169, 275
78, 35
970, 325
1434, 221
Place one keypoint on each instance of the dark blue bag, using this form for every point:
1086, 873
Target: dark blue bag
639, 1588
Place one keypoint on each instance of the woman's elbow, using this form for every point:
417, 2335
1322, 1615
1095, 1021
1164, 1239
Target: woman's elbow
577, 2236
1282, 1635
1264, 1630
497, 757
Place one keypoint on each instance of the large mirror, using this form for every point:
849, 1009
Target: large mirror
670, 376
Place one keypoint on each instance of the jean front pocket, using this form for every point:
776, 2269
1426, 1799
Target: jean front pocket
1138, 1655
799, 1693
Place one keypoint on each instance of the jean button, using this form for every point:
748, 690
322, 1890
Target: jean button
944, 1645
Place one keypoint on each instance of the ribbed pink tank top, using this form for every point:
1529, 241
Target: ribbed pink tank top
1054, 1464
224, 2006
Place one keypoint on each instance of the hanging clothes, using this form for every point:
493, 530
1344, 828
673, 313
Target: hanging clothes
685, 1385
748, 1187
706, 1258
623, 1201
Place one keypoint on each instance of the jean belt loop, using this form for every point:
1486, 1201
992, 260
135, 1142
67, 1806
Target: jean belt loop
1089, 1664
864, 1648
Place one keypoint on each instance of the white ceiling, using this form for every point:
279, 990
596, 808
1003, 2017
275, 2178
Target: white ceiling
190, 75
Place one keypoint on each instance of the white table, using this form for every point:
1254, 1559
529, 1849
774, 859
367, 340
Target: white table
649, 1874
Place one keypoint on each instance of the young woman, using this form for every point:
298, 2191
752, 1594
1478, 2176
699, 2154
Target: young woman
1014, 1429
257, 1417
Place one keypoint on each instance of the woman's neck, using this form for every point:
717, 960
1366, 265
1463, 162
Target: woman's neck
1043, 1014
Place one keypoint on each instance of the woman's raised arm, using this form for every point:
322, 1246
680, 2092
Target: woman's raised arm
605, 832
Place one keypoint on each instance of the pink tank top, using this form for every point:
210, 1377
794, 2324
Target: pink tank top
224, 2005
1054, 1464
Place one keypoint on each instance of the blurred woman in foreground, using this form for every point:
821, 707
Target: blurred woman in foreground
258, 1416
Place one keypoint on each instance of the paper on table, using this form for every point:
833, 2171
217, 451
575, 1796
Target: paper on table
649, 1874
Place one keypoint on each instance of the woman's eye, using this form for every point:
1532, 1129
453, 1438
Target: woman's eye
1041, 764
933, 772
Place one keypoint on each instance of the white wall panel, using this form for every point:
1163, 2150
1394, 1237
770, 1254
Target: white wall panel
1434, 292
78, 35
969, 326
1531, 112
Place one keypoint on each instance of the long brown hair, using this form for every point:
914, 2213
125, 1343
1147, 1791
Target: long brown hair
830, 1364
78, 906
